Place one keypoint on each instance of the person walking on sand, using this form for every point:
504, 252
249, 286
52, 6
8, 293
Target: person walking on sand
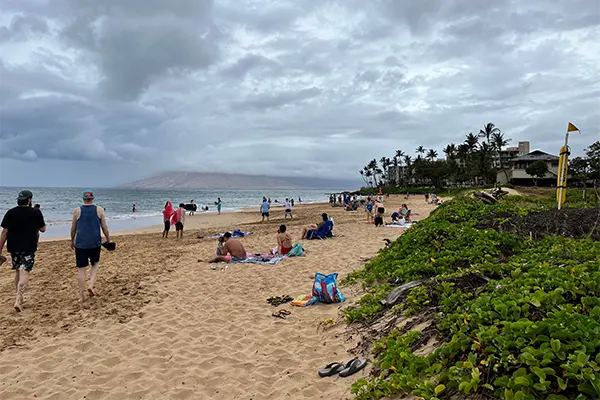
288, 209
218, 205
21, 226
86, 240
167, 214
179, 219
264, 209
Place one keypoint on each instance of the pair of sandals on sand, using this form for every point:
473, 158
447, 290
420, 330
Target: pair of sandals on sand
281, 314
343, 370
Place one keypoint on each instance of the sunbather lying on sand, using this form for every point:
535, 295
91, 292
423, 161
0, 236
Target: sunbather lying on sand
232, 250
313, 226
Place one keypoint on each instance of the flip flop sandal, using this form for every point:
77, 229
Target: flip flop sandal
281, 314
352, 367
331, 369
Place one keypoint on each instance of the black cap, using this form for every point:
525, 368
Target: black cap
25, 195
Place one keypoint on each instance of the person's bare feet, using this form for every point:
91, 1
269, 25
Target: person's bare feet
19, 306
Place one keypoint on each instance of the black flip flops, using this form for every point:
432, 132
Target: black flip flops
344, 370
352, 367
110, 246
331, 369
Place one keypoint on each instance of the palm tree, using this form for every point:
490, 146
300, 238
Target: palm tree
385, 164
498, 142
432, 154
369, 174
362, 174
396, 162
471, 141
399, 155
408, 170
488, 131
450, 151
421, 151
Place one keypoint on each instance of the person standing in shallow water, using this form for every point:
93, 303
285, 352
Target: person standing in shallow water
86, 240
219, 205
20, 228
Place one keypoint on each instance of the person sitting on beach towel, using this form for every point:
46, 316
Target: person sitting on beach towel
395, 216
405, 212
316, 227
284, 241
232, 250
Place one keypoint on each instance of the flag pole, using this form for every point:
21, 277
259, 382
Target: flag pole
562, 171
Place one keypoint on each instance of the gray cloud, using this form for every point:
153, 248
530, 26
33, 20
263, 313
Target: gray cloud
283, 87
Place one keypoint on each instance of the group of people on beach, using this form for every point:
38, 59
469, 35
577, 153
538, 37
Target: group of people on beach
265, 208
21, 228
230, 249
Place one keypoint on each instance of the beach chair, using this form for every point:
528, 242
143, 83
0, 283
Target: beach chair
323, 233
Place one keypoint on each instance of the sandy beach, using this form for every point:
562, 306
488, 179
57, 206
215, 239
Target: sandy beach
166, 326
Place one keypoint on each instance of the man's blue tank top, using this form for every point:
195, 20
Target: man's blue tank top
88, 228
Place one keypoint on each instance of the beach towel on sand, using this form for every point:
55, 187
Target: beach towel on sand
325, 288
304, 300
259, 260
406, 225
296, 251
236, 234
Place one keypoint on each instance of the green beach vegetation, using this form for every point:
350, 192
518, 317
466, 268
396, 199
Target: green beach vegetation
505, 303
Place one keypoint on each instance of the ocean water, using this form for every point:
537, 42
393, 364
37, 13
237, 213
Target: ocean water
57, 204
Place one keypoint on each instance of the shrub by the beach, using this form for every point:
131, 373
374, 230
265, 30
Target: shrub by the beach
531, 332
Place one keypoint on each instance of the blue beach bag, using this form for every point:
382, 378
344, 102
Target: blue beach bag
325, 288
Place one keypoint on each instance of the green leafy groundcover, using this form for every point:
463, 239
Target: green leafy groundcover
531, 332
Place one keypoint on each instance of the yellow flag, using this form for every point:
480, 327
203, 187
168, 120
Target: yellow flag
572, 128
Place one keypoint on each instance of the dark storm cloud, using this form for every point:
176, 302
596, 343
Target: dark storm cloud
315, 88
135, 42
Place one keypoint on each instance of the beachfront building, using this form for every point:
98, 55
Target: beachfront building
397, 174
504, 156
515, 169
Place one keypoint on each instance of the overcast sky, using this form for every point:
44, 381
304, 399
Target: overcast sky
100, 92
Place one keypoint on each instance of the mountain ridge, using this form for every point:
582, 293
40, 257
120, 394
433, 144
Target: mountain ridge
219, 180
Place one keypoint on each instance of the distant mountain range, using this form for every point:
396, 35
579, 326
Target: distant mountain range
215, 180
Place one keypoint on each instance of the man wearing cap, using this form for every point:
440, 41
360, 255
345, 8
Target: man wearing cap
88, 219
21, 227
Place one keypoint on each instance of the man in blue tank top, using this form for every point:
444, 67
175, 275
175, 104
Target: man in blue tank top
86, 240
